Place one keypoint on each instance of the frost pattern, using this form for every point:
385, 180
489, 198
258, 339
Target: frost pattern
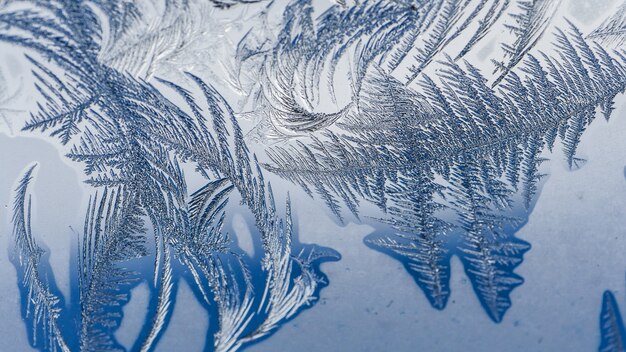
611, 325
132, 140
530, 24
41, 304
454, 163
613, 30
307, 51
450, 157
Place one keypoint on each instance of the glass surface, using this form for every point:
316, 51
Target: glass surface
298, 175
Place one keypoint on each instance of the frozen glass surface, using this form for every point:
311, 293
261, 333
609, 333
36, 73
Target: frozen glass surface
313, 175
